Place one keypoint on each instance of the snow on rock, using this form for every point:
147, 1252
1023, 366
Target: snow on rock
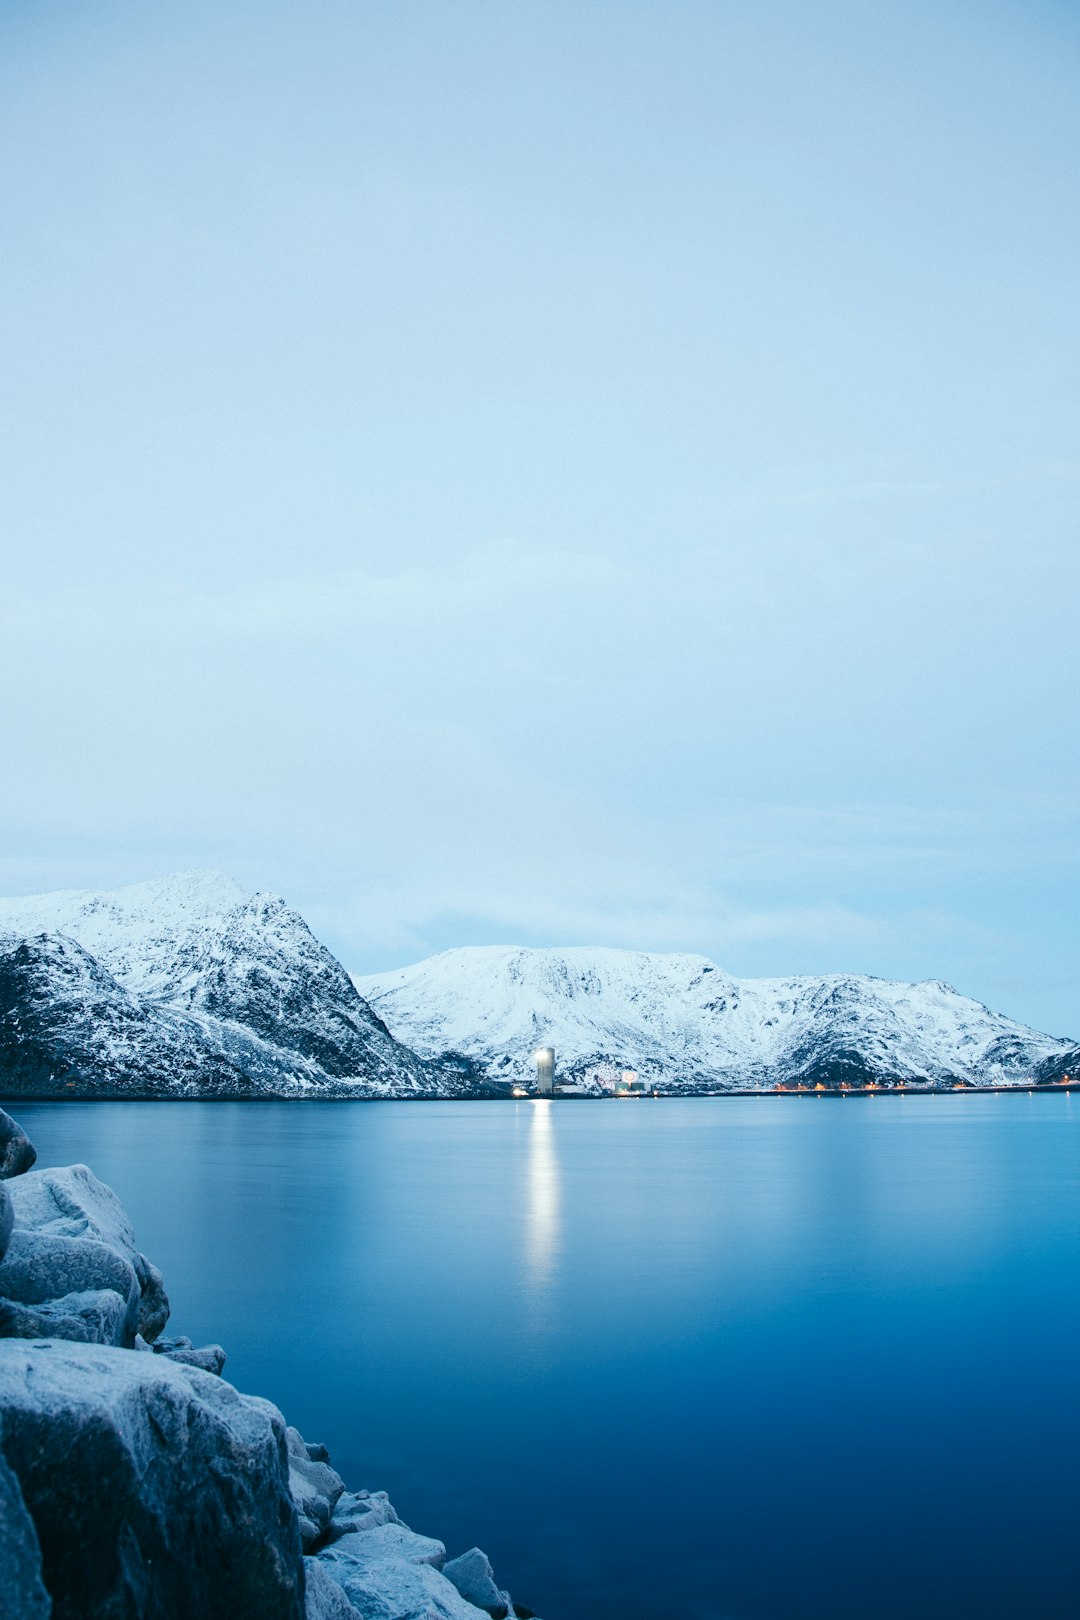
383, 1585
475, 1580
71, 1269
186, 986
683, 1023
324, 1599
315, 1488
210, 1358
154, 1488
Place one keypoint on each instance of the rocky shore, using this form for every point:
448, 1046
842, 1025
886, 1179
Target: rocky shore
137, 1484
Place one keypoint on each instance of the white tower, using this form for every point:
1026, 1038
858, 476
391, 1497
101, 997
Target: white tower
545, 1071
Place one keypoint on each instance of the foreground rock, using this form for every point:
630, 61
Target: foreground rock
22, 1593
388, 1572
474, 1578
7, 1220
384, 1583
16, 1149
316, 1488
71, 1269
155, 1489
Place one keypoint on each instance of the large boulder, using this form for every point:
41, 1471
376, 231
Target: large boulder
17, 1152
155, 1489
22, 1591
72, 1238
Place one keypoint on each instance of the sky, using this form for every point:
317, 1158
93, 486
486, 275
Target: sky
553, 473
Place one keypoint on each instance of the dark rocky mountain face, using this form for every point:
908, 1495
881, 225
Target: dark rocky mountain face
68, 1029
264, 970
201, 993
1062, 1065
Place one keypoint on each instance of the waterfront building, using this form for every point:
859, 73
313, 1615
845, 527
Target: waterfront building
545, 1071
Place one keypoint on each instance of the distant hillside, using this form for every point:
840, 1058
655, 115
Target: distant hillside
684, 1024
188, 986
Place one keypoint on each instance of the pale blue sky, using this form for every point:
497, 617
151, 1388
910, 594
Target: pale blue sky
553, 473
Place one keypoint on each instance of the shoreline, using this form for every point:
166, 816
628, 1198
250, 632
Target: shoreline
135, 1478
1052, 1087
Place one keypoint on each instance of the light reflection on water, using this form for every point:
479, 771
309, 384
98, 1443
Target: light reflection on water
542, 1213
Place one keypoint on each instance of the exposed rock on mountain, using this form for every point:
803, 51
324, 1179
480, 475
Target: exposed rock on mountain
1060, 1065
188, 987
685, 1025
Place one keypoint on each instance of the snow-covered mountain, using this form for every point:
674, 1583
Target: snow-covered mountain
684, 1024
190, 986
187, 986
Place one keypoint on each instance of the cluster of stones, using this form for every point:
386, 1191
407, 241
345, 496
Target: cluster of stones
136, 1482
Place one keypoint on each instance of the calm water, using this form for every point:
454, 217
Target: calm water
702, 1360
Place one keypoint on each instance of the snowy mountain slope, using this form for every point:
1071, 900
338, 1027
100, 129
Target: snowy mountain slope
187, 985
68, 1028
684, 1023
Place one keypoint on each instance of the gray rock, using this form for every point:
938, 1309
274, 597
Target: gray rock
7, 1220
360, 1510
384, 1586
17, 1152
156, 1490
475, 1580
39, 1268
210, 1358
96, 1316
324, 1599
310, 1531
72, 1237
316, 1489
397, 1541
22, 1591
153, 1300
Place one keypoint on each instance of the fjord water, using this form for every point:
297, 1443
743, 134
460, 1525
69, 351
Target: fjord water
750, 1359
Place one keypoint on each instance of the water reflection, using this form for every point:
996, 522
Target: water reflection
542, 1201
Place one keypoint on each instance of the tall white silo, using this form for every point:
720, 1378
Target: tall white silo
545, 1071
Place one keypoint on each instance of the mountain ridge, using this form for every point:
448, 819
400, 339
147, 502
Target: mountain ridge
188, 986
683, 1023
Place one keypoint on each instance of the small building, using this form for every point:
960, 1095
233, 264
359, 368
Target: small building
545, 1071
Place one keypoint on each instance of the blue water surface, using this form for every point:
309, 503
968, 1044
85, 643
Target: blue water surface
750, 1359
